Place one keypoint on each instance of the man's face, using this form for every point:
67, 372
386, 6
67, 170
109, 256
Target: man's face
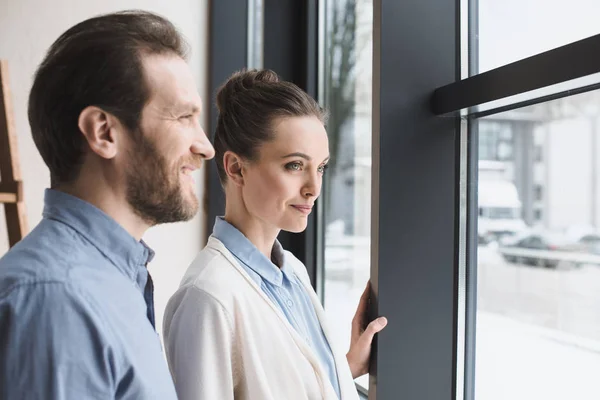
168, 146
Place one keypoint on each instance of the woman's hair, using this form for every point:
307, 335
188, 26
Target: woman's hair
249, 102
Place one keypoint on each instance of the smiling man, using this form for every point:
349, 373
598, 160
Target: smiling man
114, 112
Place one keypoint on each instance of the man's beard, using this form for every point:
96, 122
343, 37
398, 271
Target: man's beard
153, 191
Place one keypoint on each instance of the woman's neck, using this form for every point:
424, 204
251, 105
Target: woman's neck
261, 234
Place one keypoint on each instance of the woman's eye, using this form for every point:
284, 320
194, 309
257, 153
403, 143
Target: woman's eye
188, 116
295, 166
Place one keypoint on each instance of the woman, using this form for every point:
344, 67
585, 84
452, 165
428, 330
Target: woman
246, 323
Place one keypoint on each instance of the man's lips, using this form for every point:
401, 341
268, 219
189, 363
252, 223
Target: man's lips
187, 170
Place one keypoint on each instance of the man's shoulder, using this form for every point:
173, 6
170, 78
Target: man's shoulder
52, 321
34, 306
45, 255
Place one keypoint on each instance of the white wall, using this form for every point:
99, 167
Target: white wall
568, 188
27, 29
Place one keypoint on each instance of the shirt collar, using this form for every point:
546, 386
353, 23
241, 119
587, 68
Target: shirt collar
106, 234
241, 247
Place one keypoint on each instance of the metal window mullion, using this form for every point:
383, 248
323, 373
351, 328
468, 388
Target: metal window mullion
573, 61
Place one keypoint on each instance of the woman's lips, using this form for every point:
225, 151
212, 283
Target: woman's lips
303, 209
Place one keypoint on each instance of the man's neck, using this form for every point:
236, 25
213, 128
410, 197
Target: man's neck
111, 203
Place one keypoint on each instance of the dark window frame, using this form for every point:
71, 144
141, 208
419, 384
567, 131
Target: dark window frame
416, 162
227, 30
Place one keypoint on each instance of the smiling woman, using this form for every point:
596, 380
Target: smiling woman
246, 313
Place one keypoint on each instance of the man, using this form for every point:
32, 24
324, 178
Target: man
114, 112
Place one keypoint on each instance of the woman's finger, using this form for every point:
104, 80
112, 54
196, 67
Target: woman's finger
359, 316
373, 328
364, 301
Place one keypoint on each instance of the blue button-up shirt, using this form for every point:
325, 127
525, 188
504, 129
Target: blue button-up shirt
283, 287
76, 313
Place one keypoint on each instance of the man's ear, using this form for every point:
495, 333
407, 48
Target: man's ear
233, 165
101, 130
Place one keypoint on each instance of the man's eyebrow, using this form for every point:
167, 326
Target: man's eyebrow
186, 107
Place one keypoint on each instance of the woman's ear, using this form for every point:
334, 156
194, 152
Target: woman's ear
101, 131
233, 165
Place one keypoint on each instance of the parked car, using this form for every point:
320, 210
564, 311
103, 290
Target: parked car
590, 243
542, 241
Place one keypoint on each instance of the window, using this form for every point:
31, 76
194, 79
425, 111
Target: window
503, 213
538, 326
535, 26
538, 193
347, 49
539, 154
255, 34
495, 141
537, 330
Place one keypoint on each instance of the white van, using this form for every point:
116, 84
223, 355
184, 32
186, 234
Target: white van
499, 206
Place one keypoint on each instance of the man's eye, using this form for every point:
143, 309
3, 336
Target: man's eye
323, 168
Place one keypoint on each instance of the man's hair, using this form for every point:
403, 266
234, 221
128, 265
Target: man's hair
97, 62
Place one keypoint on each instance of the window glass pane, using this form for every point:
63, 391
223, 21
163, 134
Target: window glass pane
255, 33
348, 43
510, 30
538, 302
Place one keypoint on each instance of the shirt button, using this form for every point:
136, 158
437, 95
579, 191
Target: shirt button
290, 303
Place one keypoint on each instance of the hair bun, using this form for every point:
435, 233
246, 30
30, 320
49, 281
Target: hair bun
249, 103
240, 82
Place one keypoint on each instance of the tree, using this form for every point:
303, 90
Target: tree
340, 66
348, 33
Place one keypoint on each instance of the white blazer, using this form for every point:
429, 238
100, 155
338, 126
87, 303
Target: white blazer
225, 340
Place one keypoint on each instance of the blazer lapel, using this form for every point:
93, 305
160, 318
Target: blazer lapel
306, 350
346, 382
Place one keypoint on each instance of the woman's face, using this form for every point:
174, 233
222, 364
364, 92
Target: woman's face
281, 186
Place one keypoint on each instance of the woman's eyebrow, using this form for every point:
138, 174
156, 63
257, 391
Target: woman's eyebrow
305, 156
301, 155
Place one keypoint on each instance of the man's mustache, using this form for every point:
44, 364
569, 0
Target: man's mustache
195, 162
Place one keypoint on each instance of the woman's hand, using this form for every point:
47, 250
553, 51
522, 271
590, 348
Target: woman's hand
360, 343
